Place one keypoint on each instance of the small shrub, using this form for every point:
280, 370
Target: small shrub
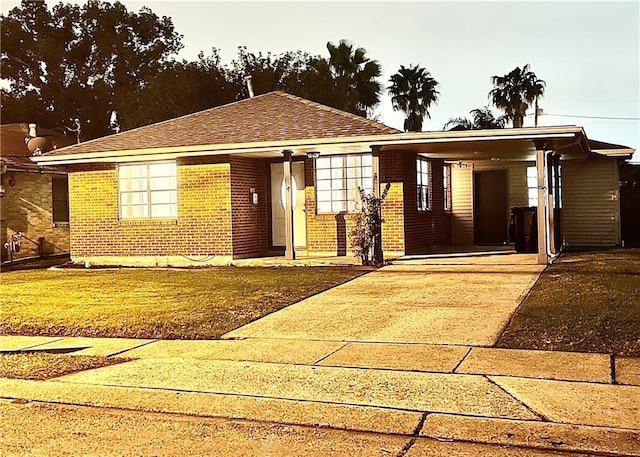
366, 240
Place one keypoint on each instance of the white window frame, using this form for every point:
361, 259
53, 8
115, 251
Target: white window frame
553, 180
337, 178
532, 186
155, 199
423, 184
446, 186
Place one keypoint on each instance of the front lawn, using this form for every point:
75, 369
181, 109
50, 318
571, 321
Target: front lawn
587, 302
153, 303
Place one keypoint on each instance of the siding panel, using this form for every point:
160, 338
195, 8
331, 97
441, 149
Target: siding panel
590, 202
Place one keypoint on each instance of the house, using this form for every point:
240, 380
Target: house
34, 200
277, 175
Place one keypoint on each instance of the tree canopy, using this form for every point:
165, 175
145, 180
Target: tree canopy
80, 61
514, 91
413, 91
115, 70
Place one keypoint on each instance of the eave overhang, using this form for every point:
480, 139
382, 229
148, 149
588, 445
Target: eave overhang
512, 144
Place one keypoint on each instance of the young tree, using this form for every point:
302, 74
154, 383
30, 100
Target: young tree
413, 91
81, 61
514, 91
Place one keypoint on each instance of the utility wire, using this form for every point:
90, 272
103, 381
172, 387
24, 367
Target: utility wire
590, 117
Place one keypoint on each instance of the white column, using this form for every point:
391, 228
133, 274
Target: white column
289, 252
542, 204
375, 168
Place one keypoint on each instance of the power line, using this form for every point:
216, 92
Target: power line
592, 117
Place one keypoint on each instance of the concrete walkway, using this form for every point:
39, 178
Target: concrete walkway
393, 363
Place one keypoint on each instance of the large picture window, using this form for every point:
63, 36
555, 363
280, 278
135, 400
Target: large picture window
422, 167
338, 179
148, 190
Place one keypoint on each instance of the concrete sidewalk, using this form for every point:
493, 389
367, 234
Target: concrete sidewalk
532, 400
388, 364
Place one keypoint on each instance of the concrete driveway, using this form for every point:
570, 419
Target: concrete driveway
341, 374
417, 301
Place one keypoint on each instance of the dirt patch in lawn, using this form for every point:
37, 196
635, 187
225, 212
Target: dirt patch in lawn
41, 365
154, 303
586, 302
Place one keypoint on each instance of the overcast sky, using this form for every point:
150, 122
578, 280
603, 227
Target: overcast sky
587, 52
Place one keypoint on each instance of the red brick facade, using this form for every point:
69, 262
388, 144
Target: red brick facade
202, 228
217, 216
250, 224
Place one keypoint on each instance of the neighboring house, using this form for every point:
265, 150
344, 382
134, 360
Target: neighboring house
34, 201
278, 175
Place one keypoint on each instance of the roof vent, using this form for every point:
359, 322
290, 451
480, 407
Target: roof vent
247, 80
32, 131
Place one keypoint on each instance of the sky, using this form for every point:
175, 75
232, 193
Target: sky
587, 52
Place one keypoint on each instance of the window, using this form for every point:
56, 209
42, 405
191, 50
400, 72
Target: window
446, 185
557, 200
60, 198
148, 190
422, 167
532, 185
338, 179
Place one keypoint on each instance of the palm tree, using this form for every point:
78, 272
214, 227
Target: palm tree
355, 77
482, 118
413, 91
514, 91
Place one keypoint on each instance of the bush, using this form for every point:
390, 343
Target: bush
366, 240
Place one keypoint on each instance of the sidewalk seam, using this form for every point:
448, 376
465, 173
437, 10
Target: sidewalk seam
132, 348
328, 355
534, 412
461, 360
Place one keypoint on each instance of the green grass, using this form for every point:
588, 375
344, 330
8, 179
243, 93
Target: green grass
585, 302
153, 303
40, 366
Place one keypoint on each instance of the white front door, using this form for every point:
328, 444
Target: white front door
278, 192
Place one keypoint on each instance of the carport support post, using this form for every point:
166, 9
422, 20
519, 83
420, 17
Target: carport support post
378, 254
542, 199
289, 253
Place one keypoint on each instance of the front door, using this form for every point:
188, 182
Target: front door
490, 222
278, 193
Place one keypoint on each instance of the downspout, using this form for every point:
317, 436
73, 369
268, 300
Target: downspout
547, 227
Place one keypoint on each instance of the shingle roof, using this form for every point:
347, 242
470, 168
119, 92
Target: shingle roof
275, 116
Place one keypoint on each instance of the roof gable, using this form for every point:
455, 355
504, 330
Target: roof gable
275, 116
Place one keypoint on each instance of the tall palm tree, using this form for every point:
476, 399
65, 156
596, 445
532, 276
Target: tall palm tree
355, 77
413, 91
514, 91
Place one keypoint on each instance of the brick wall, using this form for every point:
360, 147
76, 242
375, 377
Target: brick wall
249, 221
27, 207
331, 233
326, 233
424, 229
202, 228
392, 171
